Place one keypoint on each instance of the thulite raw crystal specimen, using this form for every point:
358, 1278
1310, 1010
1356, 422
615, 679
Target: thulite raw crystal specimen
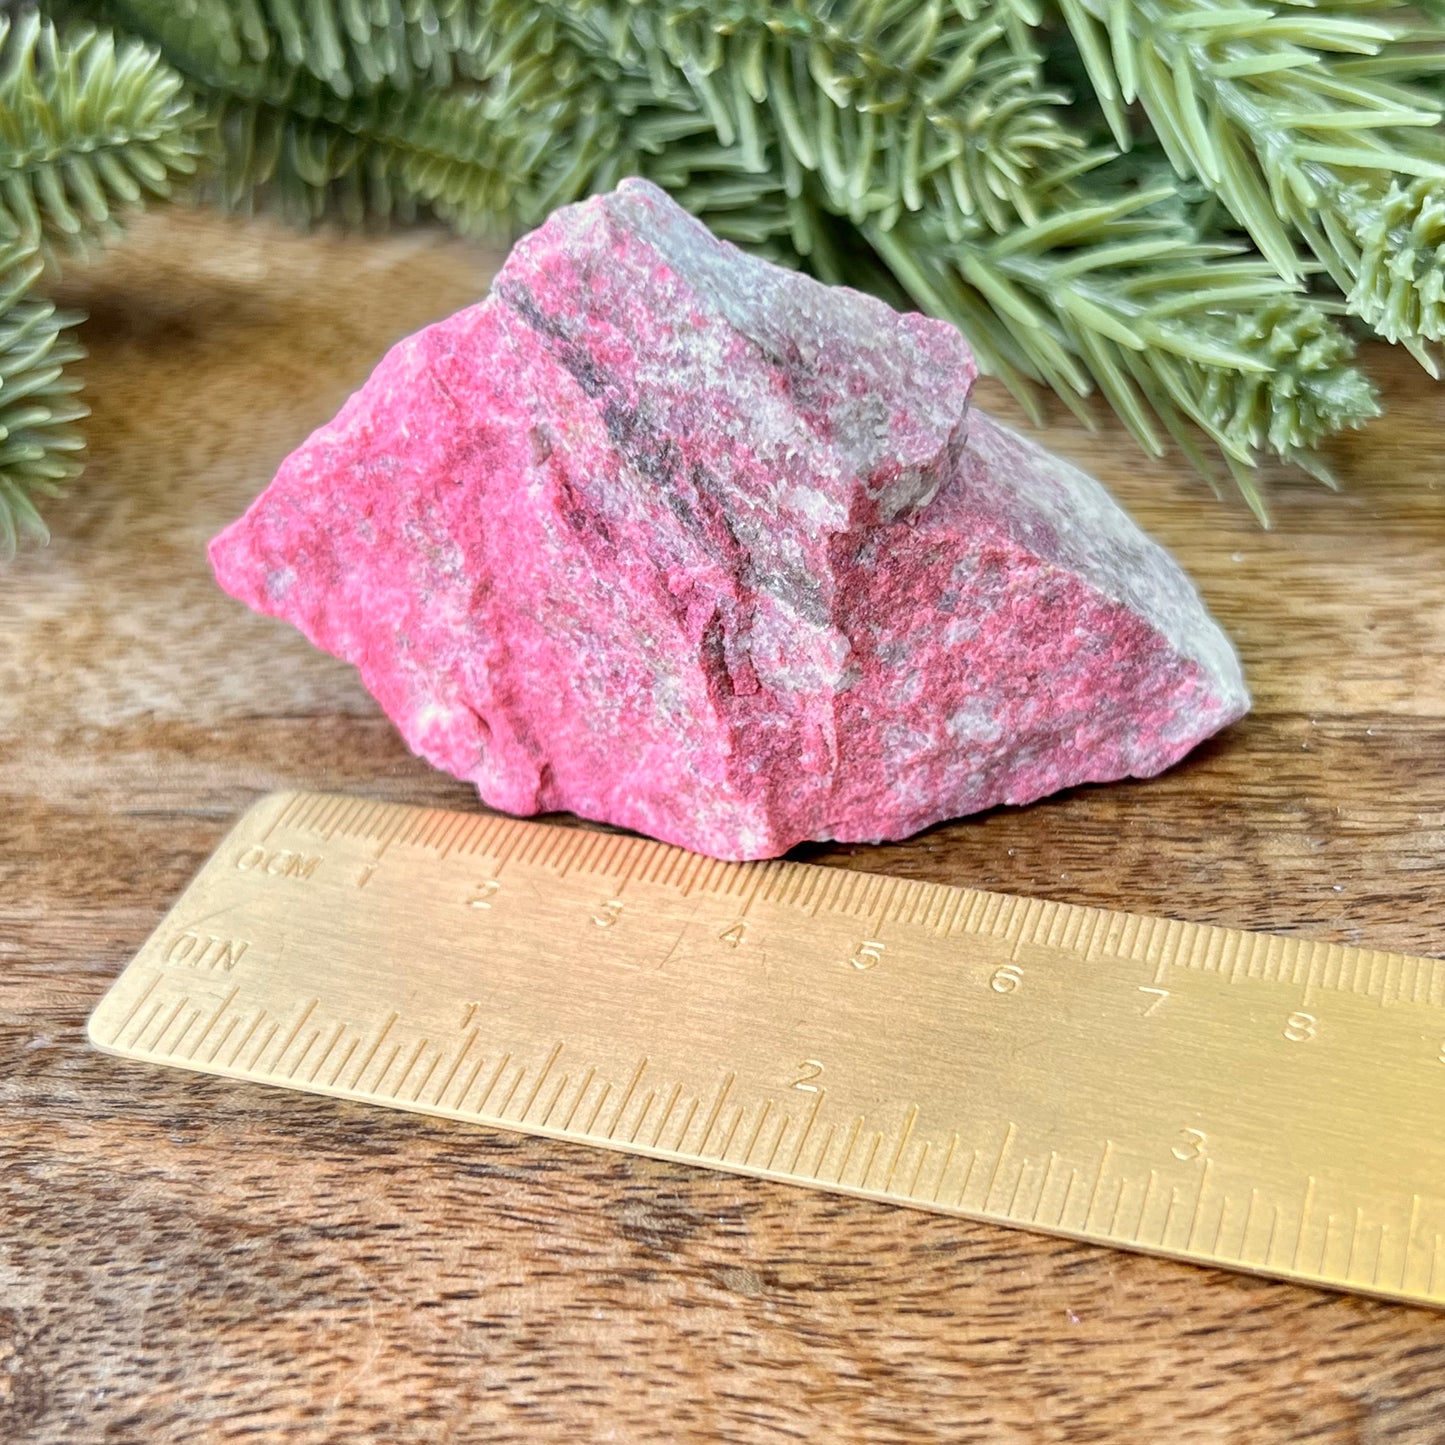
674, 538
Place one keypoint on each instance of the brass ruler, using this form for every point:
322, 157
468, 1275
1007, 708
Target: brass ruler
1237, 1099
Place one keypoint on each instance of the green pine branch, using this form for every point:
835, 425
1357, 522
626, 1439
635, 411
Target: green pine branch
352, 47
1260, 101
919, 148
480, 154
38, 406
893, 106
1183, 335
88, 127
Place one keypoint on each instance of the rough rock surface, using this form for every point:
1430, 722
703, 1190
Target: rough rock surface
670, 537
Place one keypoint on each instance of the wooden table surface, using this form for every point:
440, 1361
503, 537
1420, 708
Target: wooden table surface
184, 1258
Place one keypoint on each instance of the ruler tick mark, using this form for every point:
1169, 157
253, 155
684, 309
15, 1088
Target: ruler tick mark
848, 1150
471, 1079
180, 1003
707, 1127
1273, 1230
666, 1115
918, 1169
556, 1097
300, 1058
872, 1155
908, 1123
226, 1003
492, 1082
391, 1058
1068, 1193
1354, 1241
686, 1124
1198, 1204
1013, 1199
1248, 1219
1169, 1214
727, 1143
816, 1172
189, 1024
648, 1100
784, 1124
1304, 1223
222, 1037
295, 1029
462, 1050
265, 1041
967, 1175
342, 1062
1008, 1138
134, 1009
581, 1094
507, 1100
758, 1129
541, 1079
371, 1052
1118, 1207
326, 1053
627, 1099
417, 1092
1409, 1238
1044, 1187
947, 1160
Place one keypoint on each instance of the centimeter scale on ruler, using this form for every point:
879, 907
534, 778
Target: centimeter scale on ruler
1246, 1100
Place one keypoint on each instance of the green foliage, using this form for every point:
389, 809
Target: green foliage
1145, 197
435, 118
88, 128
38, 409
1299, 147
1174, 329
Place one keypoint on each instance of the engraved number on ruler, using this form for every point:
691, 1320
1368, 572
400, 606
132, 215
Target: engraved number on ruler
207, 951
1191, 1144
278, 863
1300, 1027
869, 954
1159, 995
481, 896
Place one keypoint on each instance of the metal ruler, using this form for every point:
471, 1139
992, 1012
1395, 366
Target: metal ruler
1237, 1099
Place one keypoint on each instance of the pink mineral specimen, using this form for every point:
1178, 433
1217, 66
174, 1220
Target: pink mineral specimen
673, 538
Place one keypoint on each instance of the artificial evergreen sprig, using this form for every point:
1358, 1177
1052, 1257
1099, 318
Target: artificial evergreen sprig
1173, 328
1252, 99
895, 107
88, 127
38, 406
320, 133
961, 154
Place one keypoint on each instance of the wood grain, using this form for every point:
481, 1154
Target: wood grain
185, 1259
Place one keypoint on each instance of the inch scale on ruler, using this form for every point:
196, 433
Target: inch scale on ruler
1245, 1100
